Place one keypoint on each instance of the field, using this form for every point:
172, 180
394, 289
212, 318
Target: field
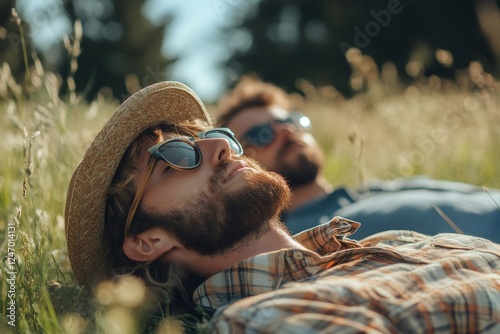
443, 129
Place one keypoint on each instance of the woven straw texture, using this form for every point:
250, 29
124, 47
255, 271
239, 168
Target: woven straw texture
85, 205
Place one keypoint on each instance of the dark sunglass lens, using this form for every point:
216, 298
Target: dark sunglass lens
261, 135
180, 154
235, 146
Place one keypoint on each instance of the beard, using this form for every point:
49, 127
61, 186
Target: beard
216, 222
304, 169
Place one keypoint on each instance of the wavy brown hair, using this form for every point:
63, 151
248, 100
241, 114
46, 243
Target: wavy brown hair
171, 283
250, 92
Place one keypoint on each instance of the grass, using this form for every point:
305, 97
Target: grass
446, 130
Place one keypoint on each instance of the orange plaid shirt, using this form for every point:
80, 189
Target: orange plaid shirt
391, 282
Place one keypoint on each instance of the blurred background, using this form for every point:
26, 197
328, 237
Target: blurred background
209, 44
394, 88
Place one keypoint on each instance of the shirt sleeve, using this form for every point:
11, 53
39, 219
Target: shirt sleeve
456, 290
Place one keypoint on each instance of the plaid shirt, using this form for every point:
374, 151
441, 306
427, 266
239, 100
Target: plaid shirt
391, 282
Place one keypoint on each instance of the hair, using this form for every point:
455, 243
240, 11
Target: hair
250, 92
170, 280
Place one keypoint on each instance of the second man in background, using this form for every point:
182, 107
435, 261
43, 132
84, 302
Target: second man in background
263, 119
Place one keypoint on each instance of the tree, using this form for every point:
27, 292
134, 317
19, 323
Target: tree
11, 49
121, 49
294, 39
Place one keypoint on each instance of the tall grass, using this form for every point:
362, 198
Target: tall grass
43, 138
444, 129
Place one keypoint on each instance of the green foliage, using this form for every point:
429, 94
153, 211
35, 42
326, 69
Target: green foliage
11, 48
435, 127
42, 142
123, 49
301, 39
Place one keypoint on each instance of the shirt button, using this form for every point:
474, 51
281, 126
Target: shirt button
298, 255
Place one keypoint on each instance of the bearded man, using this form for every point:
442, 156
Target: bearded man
163, 195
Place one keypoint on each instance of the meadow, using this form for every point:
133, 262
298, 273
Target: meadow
389, 129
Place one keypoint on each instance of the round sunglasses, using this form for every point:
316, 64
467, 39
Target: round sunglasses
263, 135
180, 153
183, 153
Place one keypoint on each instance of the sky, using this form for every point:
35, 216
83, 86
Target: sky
192, 36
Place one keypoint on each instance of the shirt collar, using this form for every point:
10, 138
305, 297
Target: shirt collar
269, 271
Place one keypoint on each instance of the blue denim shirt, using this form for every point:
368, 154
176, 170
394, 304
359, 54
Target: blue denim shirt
418, 204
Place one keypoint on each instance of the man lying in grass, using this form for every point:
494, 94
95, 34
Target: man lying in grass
162, 195
262, 119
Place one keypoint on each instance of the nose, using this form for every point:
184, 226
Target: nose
284, 128
214, 150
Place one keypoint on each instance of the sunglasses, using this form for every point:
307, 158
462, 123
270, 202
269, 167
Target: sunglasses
182, 154
263, 135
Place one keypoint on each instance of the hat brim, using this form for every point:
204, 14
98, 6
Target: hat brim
171, 102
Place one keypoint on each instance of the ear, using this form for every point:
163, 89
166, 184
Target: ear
148, 245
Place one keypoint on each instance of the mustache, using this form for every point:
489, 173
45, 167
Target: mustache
291, 139
221, 170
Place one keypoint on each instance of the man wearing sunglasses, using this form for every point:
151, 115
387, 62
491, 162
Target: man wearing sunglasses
280, 140
162, 195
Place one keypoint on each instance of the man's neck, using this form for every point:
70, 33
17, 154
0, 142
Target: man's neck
275, 238
305, 193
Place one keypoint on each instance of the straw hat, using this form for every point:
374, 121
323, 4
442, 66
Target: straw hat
85, 205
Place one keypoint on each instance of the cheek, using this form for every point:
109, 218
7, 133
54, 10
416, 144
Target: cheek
175, 191
160, 199
267, 158
250, 152
309, 140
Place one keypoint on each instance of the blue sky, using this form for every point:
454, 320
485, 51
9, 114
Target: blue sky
192, 35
